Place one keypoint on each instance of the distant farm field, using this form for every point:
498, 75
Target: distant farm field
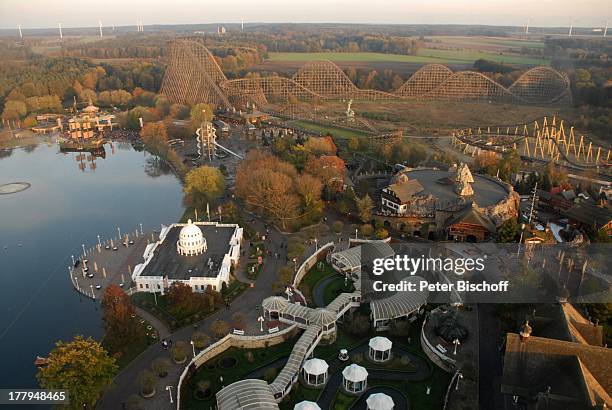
424, 56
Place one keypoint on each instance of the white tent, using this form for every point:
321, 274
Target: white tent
307, 405
315, 371
355, 378
380, 401
380, 348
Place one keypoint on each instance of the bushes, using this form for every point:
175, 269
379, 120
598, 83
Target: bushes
179, 352
200, 339
160, 366
146, 382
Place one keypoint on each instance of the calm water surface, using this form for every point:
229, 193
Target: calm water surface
70, 201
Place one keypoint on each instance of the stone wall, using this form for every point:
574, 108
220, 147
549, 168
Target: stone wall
231, 340
310, 262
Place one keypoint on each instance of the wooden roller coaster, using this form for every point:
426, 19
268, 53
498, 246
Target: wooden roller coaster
546, 140
193, 75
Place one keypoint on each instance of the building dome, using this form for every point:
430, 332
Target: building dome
191, 240
307, 405
380, 401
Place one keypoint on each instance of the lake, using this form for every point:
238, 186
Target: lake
72, 198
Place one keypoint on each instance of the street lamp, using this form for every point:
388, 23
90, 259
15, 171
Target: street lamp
83, 246
459, 377
193, 348
289, 293
93, 295
99, 243
456, 342
169, 389
72, 256
316, 244
141, 232
356, 230
260, 319
119, 231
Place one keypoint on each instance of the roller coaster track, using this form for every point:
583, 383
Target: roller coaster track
193, 74
543, 141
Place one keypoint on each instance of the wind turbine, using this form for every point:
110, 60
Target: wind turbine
20, 33
60, 30
100, 24
571, 26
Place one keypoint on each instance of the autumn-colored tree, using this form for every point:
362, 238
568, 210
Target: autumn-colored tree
82, 367
487, 162
155, 136
118, 315
267, 184
366, 230
219, 328
14, 109
200, 339
329, 168
364, 208
183, 300
321, 146
203, 185
201, 112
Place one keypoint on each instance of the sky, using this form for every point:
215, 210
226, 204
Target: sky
83, 13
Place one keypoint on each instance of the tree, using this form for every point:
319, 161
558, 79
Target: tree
200, 339
81, 366
338, 226
179, 351
329, 168
201, 112
202, 185
219, 328
366, 230
13, 110
183, 301
353, 144
321, 146
382, 233
509, 164
118, 314
146, 382
509, 231
364, 208
155, 136
160, 366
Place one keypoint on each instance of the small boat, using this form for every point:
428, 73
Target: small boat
41, 361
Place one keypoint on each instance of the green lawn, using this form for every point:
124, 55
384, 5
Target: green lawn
214, 369
424, 56
336, 287
314, 276
323, 129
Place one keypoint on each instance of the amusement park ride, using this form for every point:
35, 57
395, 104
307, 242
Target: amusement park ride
548, 140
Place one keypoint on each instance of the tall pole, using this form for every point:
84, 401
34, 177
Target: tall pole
60, 30
21, 34
242, 25
606, 29
527, 27
100, 25
571, 26
169, 388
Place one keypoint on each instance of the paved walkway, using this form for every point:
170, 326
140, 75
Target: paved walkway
124, 384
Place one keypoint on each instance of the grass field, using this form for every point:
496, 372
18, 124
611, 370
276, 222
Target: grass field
424, 56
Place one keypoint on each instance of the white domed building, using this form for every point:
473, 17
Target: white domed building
198, 254
191, 240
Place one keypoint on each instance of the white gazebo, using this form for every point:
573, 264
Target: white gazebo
315, 372
307, 405
380, 401
380, 349
274, 305
354, 378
